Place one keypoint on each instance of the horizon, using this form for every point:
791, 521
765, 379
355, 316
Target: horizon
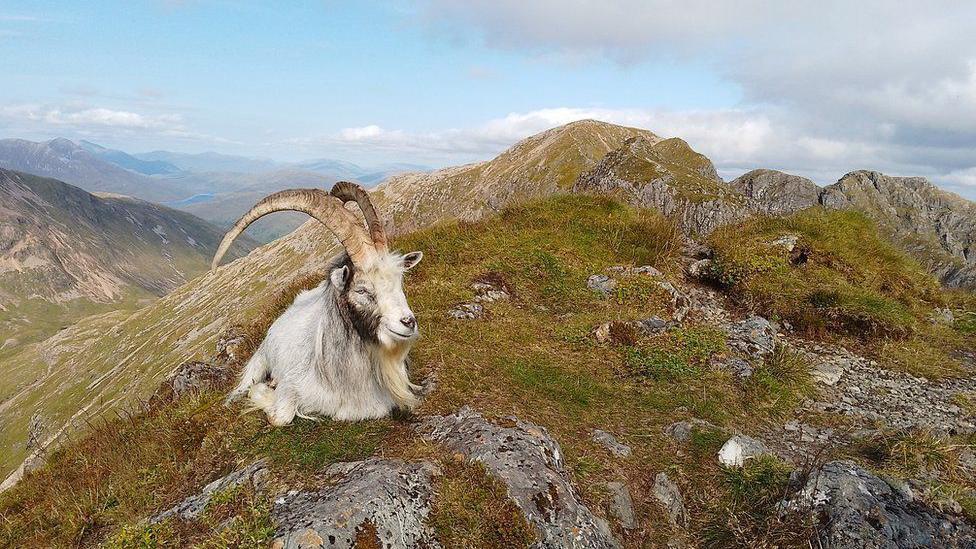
436, 84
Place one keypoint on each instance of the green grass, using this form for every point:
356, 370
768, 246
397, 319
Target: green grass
780, 383
678, 354
844, 282
746, 513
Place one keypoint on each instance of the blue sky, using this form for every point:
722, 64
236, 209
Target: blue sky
814, 88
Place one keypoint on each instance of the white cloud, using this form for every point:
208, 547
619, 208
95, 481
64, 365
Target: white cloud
869, 84
91, 117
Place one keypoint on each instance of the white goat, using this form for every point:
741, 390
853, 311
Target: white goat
340, 350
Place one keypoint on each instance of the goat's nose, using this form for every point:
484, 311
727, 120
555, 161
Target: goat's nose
409, 321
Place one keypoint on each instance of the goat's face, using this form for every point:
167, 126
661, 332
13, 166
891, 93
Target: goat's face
376, 301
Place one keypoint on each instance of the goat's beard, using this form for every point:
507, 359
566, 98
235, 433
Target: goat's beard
392, 370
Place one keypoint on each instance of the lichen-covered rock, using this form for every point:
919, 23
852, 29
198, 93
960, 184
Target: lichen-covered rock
193, 506
654, 325
488, 292
855, 508
529, 462
622, 505
193, 377
388, 498
601, 284
741, 367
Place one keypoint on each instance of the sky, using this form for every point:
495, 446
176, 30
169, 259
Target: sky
813, 88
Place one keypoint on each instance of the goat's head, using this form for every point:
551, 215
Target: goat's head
370, 282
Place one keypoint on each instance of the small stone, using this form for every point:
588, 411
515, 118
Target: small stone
942, 315
739, 366
647, 270
666, 492
610, 442
681, 430
488, 293
740, 448
602, 333
653, 325
600, 283
699, 269
467, 311
827, 372
622, 506
786, 241
752, 336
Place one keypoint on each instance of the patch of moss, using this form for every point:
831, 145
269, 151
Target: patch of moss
472, 509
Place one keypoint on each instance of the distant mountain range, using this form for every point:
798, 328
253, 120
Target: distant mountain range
187, 181
63, 246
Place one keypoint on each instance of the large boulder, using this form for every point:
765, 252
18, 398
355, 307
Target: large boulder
855, 508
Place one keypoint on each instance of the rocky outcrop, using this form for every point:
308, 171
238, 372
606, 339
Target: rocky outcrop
387, 500
777, 193
855, 508
937, 227
529, 462
668, 176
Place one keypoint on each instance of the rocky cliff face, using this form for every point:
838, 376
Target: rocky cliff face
937, 227
671, 177
777, 193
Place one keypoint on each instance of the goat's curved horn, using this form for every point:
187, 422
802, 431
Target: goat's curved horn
317, 203
351, 192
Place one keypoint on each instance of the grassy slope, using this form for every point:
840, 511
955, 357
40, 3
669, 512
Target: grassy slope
532, 357
845, 282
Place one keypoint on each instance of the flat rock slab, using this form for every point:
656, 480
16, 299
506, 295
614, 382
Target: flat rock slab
529, 462
390, 497
855, 508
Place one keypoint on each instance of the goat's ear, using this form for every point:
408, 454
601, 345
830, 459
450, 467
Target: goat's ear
411, 259
340, 277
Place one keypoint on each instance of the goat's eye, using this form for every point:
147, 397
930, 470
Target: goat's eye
362, 291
